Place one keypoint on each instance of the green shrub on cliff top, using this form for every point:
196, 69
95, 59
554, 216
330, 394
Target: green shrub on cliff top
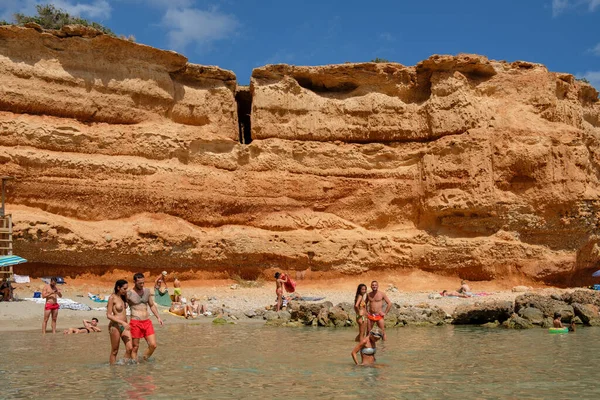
50, 17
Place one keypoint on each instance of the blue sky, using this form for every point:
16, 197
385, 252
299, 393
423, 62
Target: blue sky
243, 34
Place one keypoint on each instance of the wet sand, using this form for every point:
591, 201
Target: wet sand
411, 288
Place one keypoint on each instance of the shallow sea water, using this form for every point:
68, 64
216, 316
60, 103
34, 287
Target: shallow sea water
254, 361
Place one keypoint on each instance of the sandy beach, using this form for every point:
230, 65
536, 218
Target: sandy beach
403, 287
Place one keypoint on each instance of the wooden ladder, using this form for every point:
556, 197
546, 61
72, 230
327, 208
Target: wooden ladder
6, 245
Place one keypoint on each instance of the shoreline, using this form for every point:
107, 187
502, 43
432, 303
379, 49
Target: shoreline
229, 296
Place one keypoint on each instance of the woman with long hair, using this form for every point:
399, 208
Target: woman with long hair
360, 307
118, 328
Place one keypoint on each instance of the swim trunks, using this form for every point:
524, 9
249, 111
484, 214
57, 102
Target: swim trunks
141, 329
50, 306
375, 317
177, 291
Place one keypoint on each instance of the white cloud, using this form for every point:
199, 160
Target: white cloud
593, 4
192, 25
593, 77
94, 9
595, 50
559, 6
387, 37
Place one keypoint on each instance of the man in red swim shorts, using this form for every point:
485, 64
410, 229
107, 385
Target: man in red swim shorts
51, 293
139, 299
375, 312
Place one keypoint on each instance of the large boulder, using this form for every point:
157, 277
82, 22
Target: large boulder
547, 305
338, 317
532, 314
481, 313
588, 313
516, 322
323, 317
422, 314
582, 297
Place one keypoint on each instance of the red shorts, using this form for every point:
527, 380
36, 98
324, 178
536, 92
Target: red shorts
375, 317
50, 306
141, 329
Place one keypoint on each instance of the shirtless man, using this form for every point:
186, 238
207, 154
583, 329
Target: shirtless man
176, 290
88, 327
464, 288
51, 293
139, 299
279, 289
160, 281
375, 311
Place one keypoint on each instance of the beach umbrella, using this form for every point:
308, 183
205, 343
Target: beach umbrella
596, 274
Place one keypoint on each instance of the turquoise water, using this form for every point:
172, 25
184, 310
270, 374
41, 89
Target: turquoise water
252, 361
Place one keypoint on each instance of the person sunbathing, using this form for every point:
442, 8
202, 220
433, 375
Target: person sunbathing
88, 327
194, 309
453, 293
177, 309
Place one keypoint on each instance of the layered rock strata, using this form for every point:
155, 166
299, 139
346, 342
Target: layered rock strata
129, 157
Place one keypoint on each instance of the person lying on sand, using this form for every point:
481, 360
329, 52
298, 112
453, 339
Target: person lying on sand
452, 293
177, 309
88, 327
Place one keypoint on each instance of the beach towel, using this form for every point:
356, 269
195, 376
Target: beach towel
22, 278
162, 298
97, 298
173, 314
308, 298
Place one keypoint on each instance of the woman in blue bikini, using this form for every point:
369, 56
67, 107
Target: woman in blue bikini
118, 328
367, 348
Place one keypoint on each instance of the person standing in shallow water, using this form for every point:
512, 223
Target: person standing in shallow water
118, 328
367, 348
375, 311
51, 293
360, 307
139, 299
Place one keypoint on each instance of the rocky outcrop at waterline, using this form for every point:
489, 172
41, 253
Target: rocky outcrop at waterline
130, 157
527, 311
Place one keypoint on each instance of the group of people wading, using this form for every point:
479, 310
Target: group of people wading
369, 311
140, 326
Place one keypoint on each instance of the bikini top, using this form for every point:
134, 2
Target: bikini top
369, 351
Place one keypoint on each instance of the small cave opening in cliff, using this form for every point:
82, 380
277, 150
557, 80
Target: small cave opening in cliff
243, 98
320, 87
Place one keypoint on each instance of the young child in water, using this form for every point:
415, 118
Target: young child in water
557, 322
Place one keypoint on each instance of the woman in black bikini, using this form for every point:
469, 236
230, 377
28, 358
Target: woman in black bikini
118, 328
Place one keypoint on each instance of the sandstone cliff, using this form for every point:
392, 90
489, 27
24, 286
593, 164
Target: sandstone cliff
129, 157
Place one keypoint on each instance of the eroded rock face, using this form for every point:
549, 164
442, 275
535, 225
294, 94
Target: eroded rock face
128, 157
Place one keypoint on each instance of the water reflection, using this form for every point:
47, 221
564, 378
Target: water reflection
263, 362
141, 386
